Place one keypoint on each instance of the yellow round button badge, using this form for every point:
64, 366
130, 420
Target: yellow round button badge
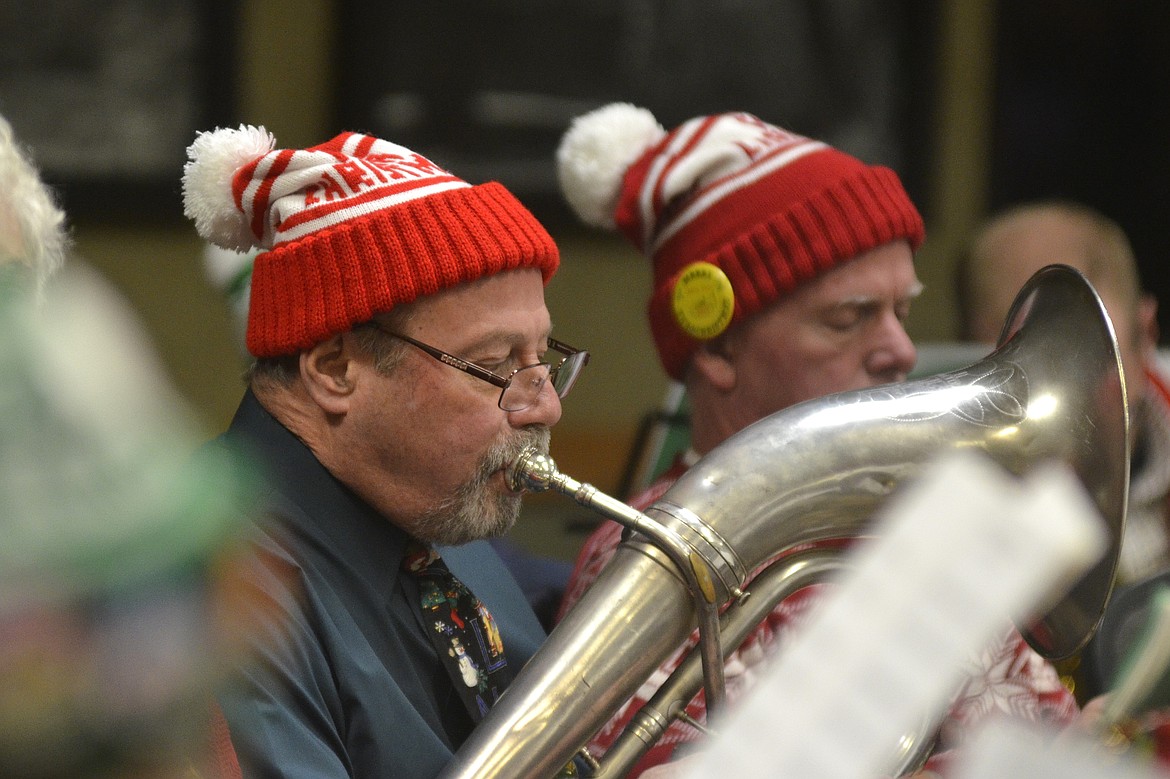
703, 300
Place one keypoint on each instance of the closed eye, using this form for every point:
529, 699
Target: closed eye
849, 316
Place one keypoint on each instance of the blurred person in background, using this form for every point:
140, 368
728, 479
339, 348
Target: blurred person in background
116, 612
1003, 254
1006, 250
783, 271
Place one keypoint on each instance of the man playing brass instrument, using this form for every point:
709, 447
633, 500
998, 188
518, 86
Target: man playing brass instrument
782, 271
403, 359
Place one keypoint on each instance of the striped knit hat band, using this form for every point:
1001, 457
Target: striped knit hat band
353, 227
350, 176
734, 213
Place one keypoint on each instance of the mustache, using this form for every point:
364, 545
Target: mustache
503, 453
471, 511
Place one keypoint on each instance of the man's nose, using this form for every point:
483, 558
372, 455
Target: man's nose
545, 411
894, 354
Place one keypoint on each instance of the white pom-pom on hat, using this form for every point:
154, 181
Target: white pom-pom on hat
215, 156
595, 153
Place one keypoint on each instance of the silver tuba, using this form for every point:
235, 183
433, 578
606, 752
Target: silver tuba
1053, 389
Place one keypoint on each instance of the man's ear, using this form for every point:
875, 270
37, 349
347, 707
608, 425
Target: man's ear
327, 370
713, 364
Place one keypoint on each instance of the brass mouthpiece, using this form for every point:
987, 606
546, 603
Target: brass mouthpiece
532, 471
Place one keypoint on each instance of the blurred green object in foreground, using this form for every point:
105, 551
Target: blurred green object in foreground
116, 530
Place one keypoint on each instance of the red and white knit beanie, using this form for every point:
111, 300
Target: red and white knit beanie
733, 212
350, 228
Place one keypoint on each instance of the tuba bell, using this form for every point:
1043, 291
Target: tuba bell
1054, 389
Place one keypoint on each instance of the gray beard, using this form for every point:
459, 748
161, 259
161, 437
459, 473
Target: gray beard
473, 511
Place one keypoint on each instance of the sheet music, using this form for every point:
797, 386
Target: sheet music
1009, 749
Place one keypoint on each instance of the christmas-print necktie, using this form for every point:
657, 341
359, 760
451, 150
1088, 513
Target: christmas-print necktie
462, 631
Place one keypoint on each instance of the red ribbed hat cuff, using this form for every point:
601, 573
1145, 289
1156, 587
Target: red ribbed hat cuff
314, 288
856, 214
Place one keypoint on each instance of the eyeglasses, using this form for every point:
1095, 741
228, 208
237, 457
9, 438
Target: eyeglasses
521, 388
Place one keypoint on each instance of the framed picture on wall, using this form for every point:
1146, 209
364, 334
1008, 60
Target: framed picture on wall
487, 89
107, 95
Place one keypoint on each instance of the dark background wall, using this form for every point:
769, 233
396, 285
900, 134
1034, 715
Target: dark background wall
1082, 110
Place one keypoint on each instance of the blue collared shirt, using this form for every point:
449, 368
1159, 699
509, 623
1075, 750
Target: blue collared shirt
341, 680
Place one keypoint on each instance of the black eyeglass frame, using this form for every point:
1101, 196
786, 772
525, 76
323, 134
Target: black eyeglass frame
480, 372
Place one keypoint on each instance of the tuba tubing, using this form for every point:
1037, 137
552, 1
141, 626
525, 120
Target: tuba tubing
536, 472
1053, 390
775, 583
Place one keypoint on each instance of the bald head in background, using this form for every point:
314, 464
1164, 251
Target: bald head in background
1013, 245
1003, 254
